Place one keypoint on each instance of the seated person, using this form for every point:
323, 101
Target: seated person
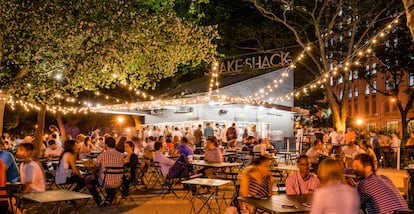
31, 172
302, 182
53, 150
9, 162
249, 144
185, 149
410, 141
213, 153
369, 151
149, 149
256, 180
130, 164
260, 147
109, 158
349, 152
67, 172
318, 150
168, 167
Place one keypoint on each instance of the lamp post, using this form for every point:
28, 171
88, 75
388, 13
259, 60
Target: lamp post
120, 120
359, 123
382, 105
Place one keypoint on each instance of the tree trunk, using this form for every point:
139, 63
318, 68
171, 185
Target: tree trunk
61, 126
137, 122
40, 128
409, 11
3, 102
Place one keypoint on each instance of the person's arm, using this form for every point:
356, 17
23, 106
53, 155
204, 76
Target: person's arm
244, 185
28, 178
290, 186
72, 163
318, 202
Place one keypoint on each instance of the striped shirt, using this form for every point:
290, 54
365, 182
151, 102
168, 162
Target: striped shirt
110, 158
259, 190
379, 195
296, 185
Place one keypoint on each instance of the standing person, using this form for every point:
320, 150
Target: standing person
302, 182
12, 171
320, 134
190, 137
334, 195
67, 172
177, 133
198, 134
375, 143
110, 158
223, 136
86, 147
232, 136
217, 131
377, 192
31, 172
334, 138
54, 130
395, 146
208, 131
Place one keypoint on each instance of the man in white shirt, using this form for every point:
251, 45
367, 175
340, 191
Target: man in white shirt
31, 172
177, 132
53, 150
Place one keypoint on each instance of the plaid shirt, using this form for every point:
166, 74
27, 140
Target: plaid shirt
110, 158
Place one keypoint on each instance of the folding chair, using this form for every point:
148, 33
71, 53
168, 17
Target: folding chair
167, 183
112, 171
7, 196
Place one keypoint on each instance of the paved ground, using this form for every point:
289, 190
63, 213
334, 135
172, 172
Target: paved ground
150, 201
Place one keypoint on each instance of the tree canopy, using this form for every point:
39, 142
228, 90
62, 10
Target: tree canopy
55, 49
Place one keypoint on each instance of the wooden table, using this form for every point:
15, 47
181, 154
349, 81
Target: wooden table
207, 196
52, 196
274, 203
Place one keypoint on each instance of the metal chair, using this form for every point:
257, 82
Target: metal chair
7, 196
113, 171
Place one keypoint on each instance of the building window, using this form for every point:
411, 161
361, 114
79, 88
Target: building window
356, 91
374, 68
374, 87
355, 74
410, 126
387, 84
340, 79
411, 79
331, 81
350, 75
367, 69
371, 127
392, 126
367, 88
349, 33
341, 94
350, 93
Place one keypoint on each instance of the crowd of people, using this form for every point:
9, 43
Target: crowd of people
155, 145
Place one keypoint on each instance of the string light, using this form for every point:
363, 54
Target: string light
358, 53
